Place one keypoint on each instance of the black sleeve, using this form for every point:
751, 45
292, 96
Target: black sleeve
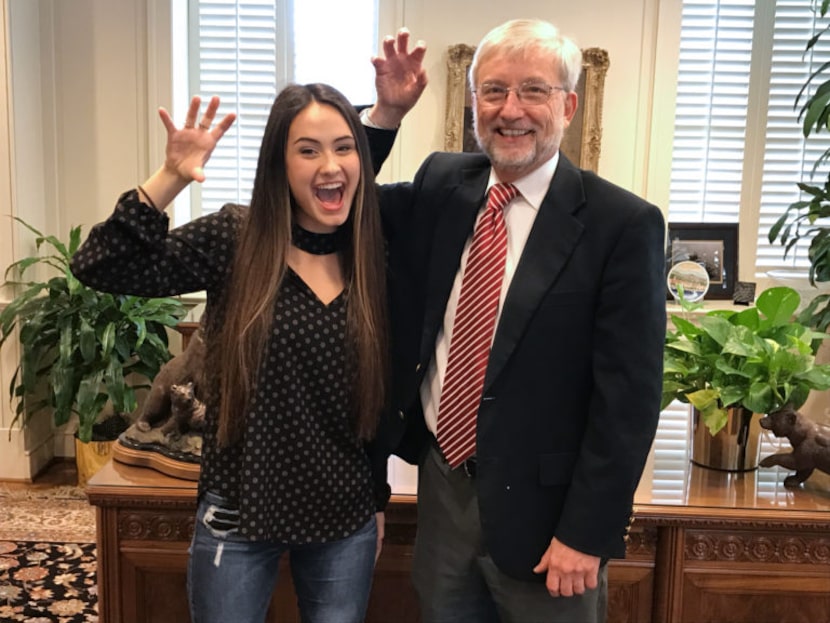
132, 252
380, 142
378, 459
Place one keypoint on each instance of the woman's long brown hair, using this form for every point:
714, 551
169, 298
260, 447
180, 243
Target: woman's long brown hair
246, 314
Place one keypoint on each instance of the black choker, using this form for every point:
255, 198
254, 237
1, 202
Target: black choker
317, 244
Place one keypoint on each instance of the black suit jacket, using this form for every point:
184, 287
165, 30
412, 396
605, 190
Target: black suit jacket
573, 385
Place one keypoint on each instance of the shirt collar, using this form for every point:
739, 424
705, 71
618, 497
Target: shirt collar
535, 185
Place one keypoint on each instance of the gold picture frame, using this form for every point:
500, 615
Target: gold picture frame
581, 143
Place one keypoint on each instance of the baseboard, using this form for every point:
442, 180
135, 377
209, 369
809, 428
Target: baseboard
17, 462
65, 442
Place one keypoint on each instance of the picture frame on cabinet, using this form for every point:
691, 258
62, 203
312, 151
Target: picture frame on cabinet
714, 246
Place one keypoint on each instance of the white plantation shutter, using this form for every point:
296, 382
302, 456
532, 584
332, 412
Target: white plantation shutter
711, 110
788, 156
725, 47
245, 51
237, 47
670, 454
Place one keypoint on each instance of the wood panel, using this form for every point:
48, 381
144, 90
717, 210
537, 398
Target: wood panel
393, 598
284, 601
739, 595
631, 581
153, 582
630, 593
760, 575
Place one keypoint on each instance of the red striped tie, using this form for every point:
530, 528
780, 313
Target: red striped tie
472, 331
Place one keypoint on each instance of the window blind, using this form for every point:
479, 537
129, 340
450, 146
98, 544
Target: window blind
788, 156
724, 47
237, 48
711, 110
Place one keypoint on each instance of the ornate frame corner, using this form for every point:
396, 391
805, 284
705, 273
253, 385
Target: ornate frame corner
458, 63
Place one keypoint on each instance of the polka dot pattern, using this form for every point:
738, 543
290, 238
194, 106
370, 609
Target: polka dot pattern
300, 474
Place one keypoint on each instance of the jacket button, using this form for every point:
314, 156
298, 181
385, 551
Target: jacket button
401, 415
418, 368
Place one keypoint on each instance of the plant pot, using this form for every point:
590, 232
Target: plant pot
90, 457
734, 448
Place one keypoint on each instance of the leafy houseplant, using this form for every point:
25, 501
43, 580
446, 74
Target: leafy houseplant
801, 220
80, 347
759, 359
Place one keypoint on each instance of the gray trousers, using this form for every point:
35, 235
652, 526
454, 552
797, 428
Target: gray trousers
455, 578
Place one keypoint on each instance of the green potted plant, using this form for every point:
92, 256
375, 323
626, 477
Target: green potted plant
802, 220
80, 348
757, 360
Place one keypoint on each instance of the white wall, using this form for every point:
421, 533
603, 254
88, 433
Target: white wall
80, 82
26, 124
100, 103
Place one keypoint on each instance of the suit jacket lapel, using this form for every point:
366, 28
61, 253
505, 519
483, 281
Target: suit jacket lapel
451, 233
552, 239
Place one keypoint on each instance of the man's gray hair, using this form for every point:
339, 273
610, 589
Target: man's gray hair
517, 36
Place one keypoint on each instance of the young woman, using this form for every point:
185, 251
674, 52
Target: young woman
296, 337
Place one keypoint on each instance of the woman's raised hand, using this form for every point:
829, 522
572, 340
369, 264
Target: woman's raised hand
400, 79
189, 147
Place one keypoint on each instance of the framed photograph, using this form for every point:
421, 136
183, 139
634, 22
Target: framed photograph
581, 143
712, 245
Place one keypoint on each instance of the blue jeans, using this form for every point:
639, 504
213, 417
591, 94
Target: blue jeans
230, 578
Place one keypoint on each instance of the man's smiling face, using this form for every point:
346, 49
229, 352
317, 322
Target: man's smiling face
518, 137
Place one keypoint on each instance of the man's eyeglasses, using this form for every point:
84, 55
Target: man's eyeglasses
529, 93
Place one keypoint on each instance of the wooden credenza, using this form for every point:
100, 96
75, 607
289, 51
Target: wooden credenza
716, 547
144, 525
705, 546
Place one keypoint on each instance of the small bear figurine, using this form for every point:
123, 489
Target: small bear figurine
182, 370
810, 442
187, 413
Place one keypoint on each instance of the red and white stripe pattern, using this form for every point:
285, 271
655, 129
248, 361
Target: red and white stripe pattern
473, 328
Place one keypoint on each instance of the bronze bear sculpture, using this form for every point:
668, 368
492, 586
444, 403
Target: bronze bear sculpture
173, 402
810, 442
187, 412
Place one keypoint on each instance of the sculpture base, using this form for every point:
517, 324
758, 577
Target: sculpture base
157, 457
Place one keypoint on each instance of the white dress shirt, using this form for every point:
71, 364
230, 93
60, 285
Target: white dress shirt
519, 216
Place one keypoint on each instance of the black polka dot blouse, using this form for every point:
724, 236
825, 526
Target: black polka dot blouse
299, 474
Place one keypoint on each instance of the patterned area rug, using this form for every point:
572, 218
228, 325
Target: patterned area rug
48, 582
59, 515
47, 556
